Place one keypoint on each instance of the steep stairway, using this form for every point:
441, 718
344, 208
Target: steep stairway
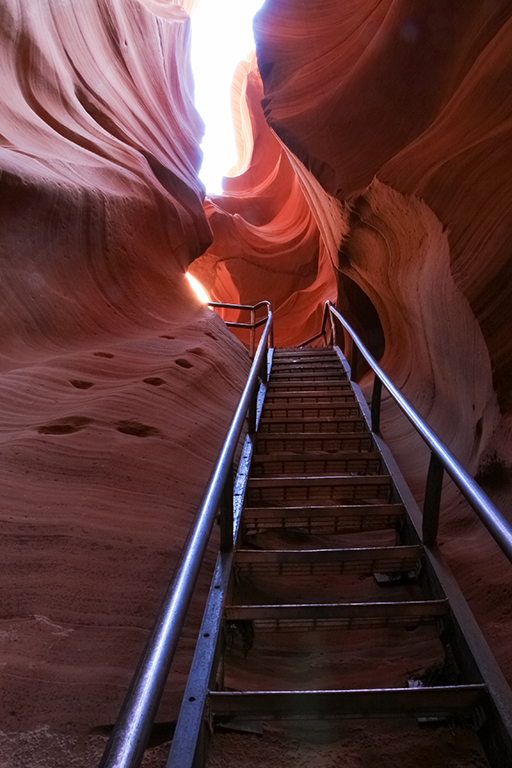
329, 607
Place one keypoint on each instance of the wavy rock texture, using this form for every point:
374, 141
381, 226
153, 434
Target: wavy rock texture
99, 158
275, 231
416, 95
117, 387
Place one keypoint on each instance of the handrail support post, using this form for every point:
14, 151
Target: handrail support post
432, 503
226, 513
376, 403
252, 334
334, 340
264, 369
251, 416
354, 361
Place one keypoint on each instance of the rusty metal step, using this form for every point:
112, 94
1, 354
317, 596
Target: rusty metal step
335, 489
324, 519
317, 463
440, 701
329, 616
313, 562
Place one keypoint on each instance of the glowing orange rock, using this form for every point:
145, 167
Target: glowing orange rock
275, 231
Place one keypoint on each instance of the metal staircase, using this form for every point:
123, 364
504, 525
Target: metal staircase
324, 558
326, 550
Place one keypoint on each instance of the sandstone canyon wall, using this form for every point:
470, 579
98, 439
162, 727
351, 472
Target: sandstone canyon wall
117, 386
390, 104
275, 230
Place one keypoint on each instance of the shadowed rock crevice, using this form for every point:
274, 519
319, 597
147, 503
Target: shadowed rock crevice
136, 429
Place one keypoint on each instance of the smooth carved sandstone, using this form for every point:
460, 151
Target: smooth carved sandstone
275, 231
117, 387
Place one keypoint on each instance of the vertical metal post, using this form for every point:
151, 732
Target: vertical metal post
226, 514
264, 369
354, 361
334, 340
432, 503
253, 406
376, 401
252, 335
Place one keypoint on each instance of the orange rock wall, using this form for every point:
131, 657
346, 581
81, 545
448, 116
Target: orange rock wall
415, 94
275, 231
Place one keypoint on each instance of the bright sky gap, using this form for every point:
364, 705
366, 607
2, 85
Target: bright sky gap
221, 38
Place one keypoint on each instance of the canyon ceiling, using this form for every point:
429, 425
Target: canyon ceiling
375, 169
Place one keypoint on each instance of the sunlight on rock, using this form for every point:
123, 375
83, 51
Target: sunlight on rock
198, 289
221, 38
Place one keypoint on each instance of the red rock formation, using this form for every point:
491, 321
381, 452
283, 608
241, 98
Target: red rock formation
117, 386
99, 160
275, 231
416, 95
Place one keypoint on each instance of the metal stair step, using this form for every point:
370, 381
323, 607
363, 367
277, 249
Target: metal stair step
324, 519
306, 397
362, 560
347, 400
310, 481
316, 463
333, 489
328, 442
313, 366
324, 411
312, 425
294, 353
341, 383
319, 616
440, 701
321, 372
350, 418
278, 366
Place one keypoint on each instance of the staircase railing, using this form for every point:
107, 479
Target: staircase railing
252, 325
441, 459
125, 748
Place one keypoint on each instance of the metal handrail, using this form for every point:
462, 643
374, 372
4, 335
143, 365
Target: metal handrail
441, 458
252, 325
125, 748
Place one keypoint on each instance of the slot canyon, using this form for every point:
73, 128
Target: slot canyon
374, 142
